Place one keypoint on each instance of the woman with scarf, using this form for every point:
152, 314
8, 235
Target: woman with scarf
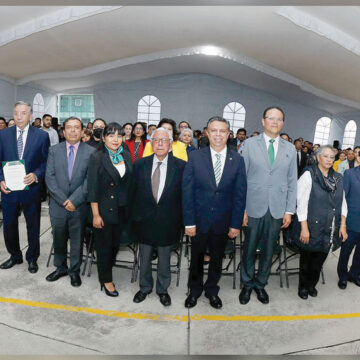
109, 177
321, 218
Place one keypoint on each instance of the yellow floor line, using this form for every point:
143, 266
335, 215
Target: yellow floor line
181, 318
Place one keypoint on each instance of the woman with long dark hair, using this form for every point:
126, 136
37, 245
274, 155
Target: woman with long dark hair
137, 142
109, 177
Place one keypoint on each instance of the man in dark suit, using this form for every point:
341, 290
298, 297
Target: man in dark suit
156, 211
301, 157
28, 143
66, 179
214, 193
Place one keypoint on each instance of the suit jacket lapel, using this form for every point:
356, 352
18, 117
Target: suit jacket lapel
147, 175
227, 167
170, 171
209, 166
78, 159
29, 141
263, 148
110, 168
280, 153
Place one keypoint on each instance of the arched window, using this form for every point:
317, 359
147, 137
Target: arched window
322, 131
235, 113
149, 109
38, 106
349, 135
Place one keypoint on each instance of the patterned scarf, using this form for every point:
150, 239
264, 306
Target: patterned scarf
116, 157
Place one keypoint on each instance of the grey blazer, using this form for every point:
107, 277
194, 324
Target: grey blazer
273, 187
57, 180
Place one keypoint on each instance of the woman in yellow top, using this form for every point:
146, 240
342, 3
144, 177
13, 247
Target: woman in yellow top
178, 148
342, 157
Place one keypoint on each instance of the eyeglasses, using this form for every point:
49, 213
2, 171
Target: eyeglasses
138, 129
274, 119
163, 140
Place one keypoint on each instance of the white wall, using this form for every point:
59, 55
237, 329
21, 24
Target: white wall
7, 99
197, 97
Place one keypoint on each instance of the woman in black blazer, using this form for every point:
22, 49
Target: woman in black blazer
109, 177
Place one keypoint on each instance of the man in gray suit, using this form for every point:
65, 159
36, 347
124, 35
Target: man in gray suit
271, 200
66, 179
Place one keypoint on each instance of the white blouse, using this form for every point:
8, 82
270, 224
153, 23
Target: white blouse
121, 168
304, 186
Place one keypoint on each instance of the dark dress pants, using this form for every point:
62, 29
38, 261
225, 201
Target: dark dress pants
346, 249
163, 268
311, 264
11, 228
70, 227
261, 233
216, 244
107, 242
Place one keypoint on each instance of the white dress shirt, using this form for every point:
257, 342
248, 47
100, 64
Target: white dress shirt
25, 134
304, 186
163, 169
222, 158
53, 135
275, 143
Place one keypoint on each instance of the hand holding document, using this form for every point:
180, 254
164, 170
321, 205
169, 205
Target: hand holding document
14, 173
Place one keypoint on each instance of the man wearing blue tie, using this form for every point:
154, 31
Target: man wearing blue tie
214, 194
28, 143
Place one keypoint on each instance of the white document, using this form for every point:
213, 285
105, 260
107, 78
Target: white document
14, 173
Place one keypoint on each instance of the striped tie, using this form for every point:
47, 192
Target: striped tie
217, 169
20, 144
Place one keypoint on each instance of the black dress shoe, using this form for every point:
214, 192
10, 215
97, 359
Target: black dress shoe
10, 263
190, 301
303, 293
140, 296
355, 281
75, 280
165, 299
245, 294
312, 292
56, 275
262, 295
215, 301
342, 284
33, 267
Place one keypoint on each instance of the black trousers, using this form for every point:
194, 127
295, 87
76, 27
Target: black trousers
70, 227
346, 249
261, 233
311, 264
107, 241
216, 244
11, 228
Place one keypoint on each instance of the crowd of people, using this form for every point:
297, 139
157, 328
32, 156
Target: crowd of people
158, 181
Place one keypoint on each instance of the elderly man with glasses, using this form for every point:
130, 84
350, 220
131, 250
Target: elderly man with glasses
156, 212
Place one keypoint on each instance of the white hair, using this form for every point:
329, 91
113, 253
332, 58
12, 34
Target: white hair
23, 103
320, 150
186, 130
164, 130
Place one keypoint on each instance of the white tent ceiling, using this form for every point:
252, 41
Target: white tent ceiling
310, 54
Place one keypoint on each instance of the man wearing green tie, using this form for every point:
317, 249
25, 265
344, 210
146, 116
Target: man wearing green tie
271, 170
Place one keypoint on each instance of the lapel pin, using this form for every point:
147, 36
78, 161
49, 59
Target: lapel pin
230, 158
